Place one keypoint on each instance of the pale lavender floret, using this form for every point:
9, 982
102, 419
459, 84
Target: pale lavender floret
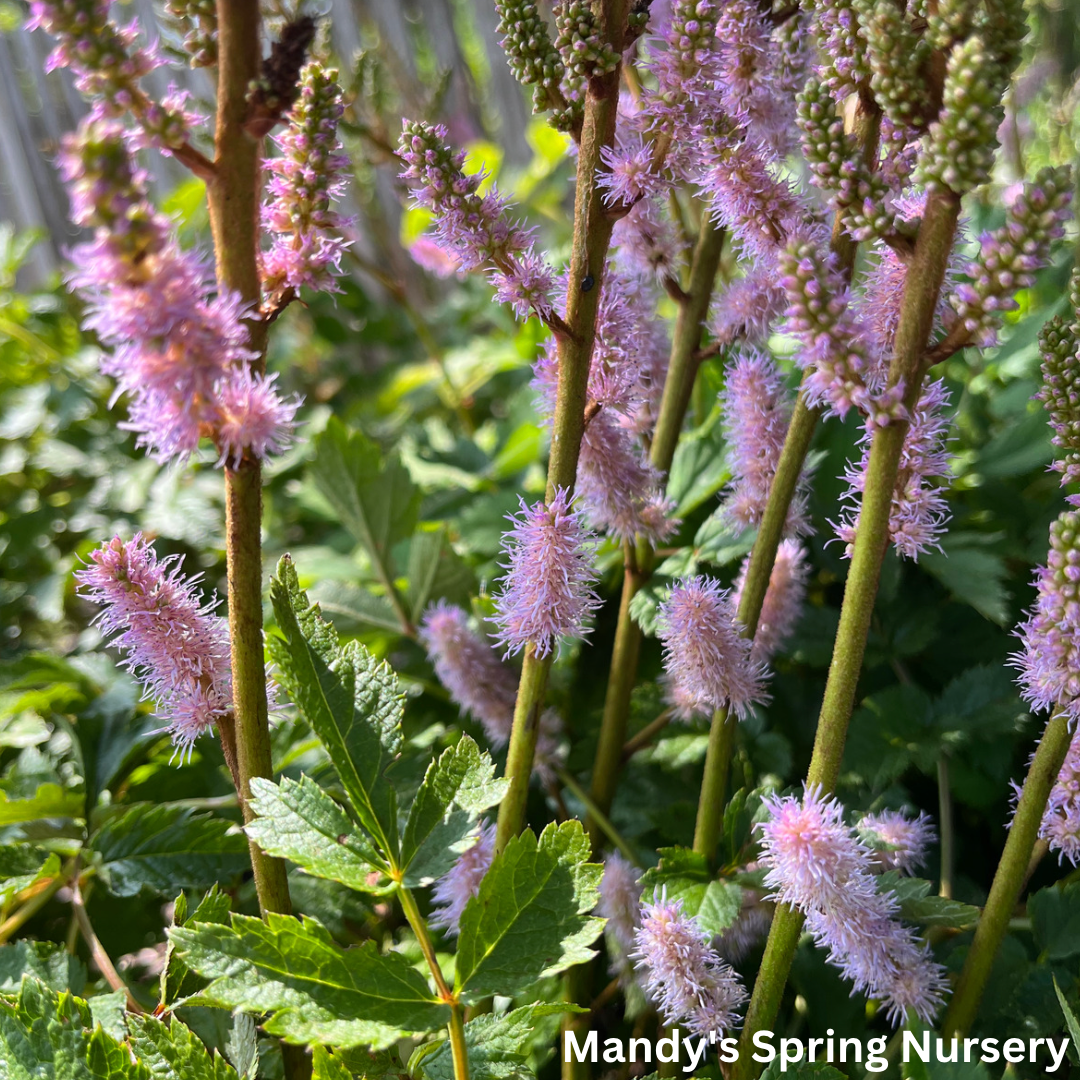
783, 598
1010, 256
1060, 826
746, 309
252, 418
548, 592
819, 865
835, 350
461, 882
628, 175
682, 974
1049, 662
176, 646
919, 512
647, 240
899, 842
756, 407
620, 904
707, 660
472, 228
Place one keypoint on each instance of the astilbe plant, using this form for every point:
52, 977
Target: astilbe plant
712, 307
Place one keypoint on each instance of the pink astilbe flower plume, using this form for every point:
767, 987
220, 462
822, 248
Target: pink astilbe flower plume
783, 598
480, 684
819, 865
620, 904
1049, 660
899, 842
707, 660
462, 882
919, 510
176, 646
305, 245
746, 309
1060, 826
682, 974
756, 406
547, 593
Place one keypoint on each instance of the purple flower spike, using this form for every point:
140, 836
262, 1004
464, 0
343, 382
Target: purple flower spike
783, 598
707, 659
682, 974
547, 593
620, 904
177, 647
462, 881
1060, 826
899, 841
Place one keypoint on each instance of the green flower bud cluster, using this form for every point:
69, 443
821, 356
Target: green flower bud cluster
958, 151
585, 54
1060, 391
198, 22
898, 57
533, 59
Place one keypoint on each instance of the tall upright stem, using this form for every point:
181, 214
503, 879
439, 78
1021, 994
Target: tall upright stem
921, 288
1009, 878
678, 387
234, 221
593, 226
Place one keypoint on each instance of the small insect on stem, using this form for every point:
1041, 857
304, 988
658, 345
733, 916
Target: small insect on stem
588, 282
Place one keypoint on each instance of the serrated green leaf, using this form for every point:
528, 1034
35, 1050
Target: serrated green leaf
21, 865
436, 572
457, 788
48, 801
242, 1048
972, 574
327, 1066
354, 609
174, 1052
298, 821
314, 991
684, 875
1070, 1017
176, 980
497, 1045
351, 701
375, 500
803, 1070
45, 961
531, 915
1055, 920
163, 848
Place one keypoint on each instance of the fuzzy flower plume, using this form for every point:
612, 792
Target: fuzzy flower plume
749, 929
178, 349
682, 974
756, 407
919, 511
899, 842
707, 660
305, 248
783, 598
620, 904
176, 646
834, 349
472, 227
547, 593
746, 309
818, 864
1060, 826
107, 63
1010, 256
1049, 660
628, 175
461, 882
480, 684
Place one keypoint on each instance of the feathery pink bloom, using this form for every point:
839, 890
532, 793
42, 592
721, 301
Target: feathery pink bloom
817, 864
1049, 661
1060, 826
305, 246
176, 646
919, 510
462, 882
899, 842
430, 256
682, 974
756, 407
547, 593
783, 598
629, 174
620, 904
647, 240
706, 657
252, 418
746, 309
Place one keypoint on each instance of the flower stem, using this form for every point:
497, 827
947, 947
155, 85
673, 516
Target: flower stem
921, 288
234, 221
1009, 878
945, 826
588, 257
710, 815
678, 387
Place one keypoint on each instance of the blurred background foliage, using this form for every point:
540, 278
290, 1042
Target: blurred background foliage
422, 385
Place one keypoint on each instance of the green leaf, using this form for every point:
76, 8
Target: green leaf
354, 609
699, 469
176, 980
497, 1045
531, 915
436, 571
242, 1048
163, 848
803, 1070
45, 961
919, 906
298, 821
375, 500
972, 574
314, 991
174, 1052
1070, 1017
1055, 920
683, 874
327, 1066
21, 865
457, 788
351, 701
48, 801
